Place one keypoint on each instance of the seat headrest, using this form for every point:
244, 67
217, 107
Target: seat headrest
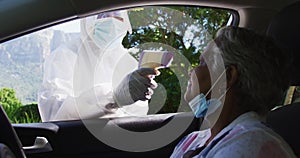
285, 30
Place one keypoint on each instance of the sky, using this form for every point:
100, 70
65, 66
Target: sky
68, 27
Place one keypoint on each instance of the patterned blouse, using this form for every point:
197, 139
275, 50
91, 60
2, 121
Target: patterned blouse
247, 136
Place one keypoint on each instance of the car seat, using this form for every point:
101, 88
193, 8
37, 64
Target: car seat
284, 29
10, 143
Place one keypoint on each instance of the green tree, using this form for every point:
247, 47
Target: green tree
28, 113
9, 101
170, 26
14, 109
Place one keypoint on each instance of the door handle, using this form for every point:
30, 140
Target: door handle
40, 145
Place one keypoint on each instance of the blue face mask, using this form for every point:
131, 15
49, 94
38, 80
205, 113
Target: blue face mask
108, 30
199, 104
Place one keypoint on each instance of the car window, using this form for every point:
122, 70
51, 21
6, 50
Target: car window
292, 95
296, 96
30, 68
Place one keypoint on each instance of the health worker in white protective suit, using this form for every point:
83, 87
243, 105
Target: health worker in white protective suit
95, 76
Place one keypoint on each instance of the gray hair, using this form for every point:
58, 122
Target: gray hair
262, 68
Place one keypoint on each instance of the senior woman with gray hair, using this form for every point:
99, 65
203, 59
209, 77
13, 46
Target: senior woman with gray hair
240, 78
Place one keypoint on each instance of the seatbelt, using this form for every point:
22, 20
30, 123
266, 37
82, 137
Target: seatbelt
204, 149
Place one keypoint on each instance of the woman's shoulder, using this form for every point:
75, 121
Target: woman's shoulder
253, 139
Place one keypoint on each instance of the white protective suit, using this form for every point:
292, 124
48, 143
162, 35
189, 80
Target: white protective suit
79, 78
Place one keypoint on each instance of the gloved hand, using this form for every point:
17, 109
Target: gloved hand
137, 85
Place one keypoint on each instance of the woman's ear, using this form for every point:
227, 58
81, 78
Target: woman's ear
231, 75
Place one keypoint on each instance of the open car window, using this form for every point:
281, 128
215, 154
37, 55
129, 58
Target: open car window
292, 95
60, 65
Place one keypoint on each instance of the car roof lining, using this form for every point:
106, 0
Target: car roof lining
40, 14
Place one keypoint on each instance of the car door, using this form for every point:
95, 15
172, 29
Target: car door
155, 28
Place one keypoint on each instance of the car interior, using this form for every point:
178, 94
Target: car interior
277, 19
283, 119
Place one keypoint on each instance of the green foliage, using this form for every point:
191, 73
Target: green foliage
169, 26
14, 109
28, 113
9, 101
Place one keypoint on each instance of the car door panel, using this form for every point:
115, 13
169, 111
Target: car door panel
73, 139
